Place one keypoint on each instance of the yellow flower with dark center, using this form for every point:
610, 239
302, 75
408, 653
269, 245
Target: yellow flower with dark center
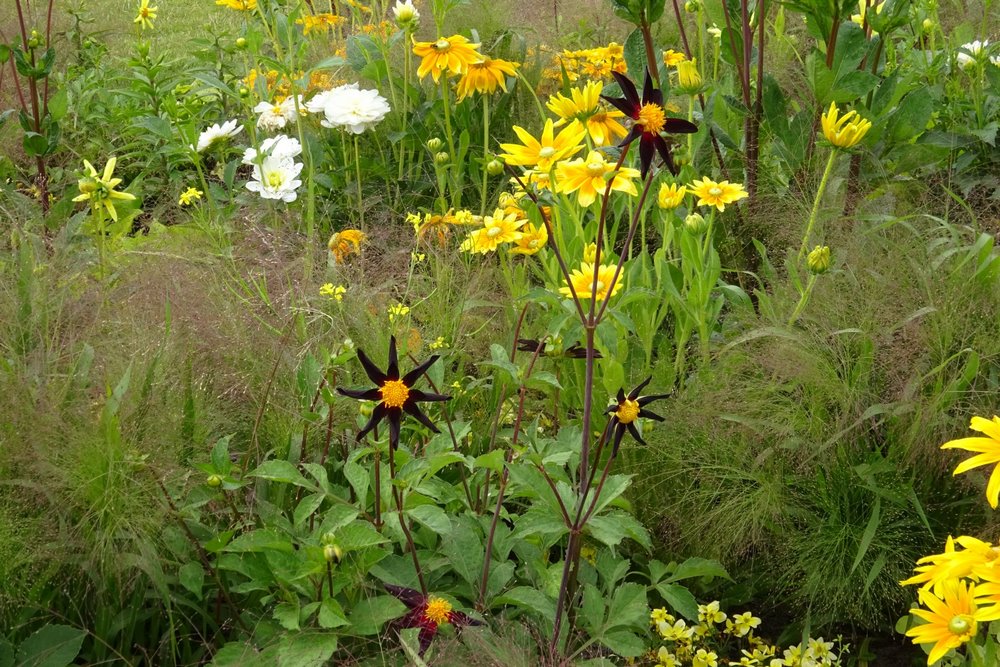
438, 610
584, 104
485, 77
547, 149
146, 15
844, 131
346, 242
583, 282
589, 178
673, 58
497, 228
533, 239
238, 5
99, 189
671, 195
951, 619
988, 449
628, 411
446, 55
710, 193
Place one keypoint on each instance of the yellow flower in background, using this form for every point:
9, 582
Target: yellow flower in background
439, 226
743, 624
673, 58
688, 76
547, 149
319, 22
988, 449
497, 228
582, 280
705, 658
238, 5
439, 344
346, 242
99, 189
589, 178
189, 196
590, 253
710, 193
671, 195
584, 105
146, 15
334, 292
533, 239
447, 55
844, 131
710, 613
859, 18
975, 559
951, 619
485, 77
364, 9
542, 180
398, 310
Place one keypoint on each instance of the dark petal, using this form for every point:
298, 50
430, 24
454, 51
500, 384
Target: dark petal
415, 374
628, 89
622, 105
395, 415
634, 134
646, 400
648, 91
620, 396
664, 150
647, 150
635, 392
577, 352
417, 396
635, 433
668, 159
377, 415
649, 414
528, 345
679, 126
371, 370
393, 370
619, 433
426, 637
657, 97
361, 394
460, 619
414, 410
410, 597
612, 409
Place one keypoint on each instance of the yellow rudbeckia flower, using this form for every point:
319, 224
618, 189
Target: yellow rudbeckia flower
485, 77
99, 189
547, 149
951, 619
146, 15
583, 282
446, 55
589, 178
710, 193
844, 131
988, 449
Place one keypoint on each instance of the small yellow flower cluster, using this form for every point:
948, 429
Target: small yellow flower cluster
438, 227
398, 310
709, 193
334, 292
457, 56
507, 225
382, 30
596, 63
320, 23
277, 86
718, 640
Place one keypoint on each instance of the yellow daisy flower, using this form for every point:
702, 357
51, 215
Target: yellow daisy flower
844, 131
99, 189
672, 58
238, 5
974, 559
584, 104
583, 283
989, 453
671, 196
484, 77
533, 239
951, 619
588, 178
146, 15
710, 193
449, 55
497, 228
546, 150
346, 242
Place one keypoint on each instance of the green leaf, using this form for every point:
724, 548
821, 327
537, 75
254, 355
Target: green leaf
305, 508
463, 547
59, 104
51, 646
359, 480
680, 600
220, 456
287, 614
370, 614
909, 120
869, 534
493, 461
629, 606
624, 643
531, 599
431, 516
192, 577
359, 535
635, 55
260, 540
279, 470
306, 649
698, 567
331, 614
501, 361
35, 144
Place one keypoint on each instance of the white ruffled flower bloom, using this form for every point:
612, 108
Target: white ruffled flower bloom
349, 107
276, 178
275, 116
217, 134
975, 50
279, 146
406, 14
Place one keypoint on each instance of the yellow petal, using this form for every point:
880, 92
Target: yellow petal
990, 428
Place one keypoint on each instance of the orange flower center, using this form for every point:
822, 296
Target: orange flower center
652, 118
628, 411
438, 610
394, 393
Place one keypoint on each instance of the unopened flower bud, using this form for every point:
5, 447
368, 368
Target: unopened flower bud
244, 91
332, 553
692, 6
214, 481
695, 224
434, 144
442, 158
241, 42
407, 16
35, 40
494, 167
365, 408
688, 77
590, 253
928, 25
819, 260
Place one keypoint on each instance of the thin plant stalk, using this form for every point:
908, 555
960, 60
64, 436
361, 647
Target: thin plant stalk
446, 103
800, 306
486, 151
357, 173
816, 202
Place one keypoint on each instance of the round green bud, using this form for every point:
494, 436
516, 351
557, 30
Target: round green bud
442, 158
494, 167
332, 553
818, 260
241, 42
244, 91
695, 224
434, 144
214, 481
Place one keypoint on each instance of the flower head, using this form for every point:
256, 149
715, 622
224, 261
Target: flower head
584, 105
688, 76
710, 193
843, 131
625, 412
651, 121
589, 178
988, 449
276, 115
485, 76
146, 15
533, 239
276, 178
548, 149
238, 5
970, 53
498, 228
671, 195
586, 287
427, 613
335, 292
349, 107
951, 619
973, 560
345, 242
218, 134
446, 55
321, 23
818, 260
407, 16
99, 189
189, 196
280, 147
673, 58
743, 624
398, 310
395, 394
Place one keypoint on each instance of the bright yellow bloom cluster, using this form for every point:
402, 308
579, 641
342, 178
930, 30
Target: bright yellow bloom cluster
546, 150
335, 292
586, 287
497, 229
584, 105
439, 226
278, 86
189, 196
485, 76
673, 58
238, 5
844, 131
596, 63
590, 177
988, 449
146, 15
99, 189
710, 193
398, 310
319, 22
446, 55
344, 243
671, 195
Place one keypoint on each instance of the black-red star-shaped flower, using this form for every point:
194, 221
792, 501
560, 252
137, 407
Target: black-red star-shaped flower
627, 410
395, 394
650, 121
427, 612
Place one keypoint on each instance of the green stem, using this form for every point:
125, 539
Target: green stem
357, 173
802, 300
486, 151
690, 137
815, 209
310, 192
99, 212
453, 158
